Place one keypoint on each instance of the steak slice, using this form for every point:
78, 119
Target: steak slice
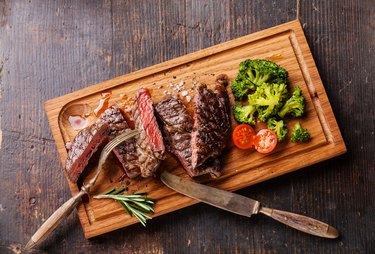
116, 121
177, 128
83, 146
211, 166
150, 145
211, 123
126, 152
139, 155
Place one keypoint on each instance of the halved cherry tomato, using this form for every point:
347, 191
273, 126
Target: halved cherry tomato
265, 141
243, 136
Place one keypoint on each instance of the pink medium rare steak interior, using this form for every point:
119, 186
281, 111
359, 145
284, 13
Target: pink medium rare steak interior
147, 119
84, 145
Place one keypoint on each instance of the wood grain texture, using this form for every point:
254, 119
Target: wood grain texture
240, 168
48, 49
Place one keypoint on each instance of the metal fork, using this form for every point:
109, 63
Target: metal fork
63, 211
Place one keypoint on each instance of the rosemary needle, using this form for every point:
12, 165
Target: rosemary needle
134, 204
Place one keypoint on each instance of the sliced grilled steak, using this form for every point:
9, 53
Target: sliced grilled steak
177, 128
211, 166
116, 121
126, 152
139, 155
110, 124
150, 146
211, 124
83, 147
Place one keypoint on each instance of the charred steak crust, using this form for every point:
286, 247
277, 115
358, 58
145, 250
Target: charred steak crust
211, 166
126, 152
116, 121
84, 145
177, 127
211, 124
139, 155
150, 145
196, 142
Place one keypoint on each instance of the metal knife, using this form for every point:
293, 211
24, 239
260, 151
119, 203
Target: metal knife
245, 206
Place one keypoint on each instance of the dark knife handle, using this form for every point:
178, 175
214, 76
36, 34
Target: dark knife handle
302, 223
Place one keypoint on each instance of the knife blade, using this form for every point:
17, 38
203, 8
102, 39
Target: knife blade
226, 200
245, 206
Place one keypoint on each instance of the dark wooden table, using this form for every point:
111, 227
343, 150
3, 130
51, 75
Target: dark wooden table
50, 48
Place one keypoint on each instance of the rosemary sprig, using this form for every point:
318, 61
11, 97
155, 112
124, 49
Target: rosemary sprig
134, 204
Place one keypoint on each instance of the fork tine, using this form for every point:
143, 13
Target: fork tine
118, 140
105, 152
115, 142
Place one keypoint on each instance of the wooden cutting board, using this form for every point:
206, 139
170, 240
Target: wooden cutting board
284, 44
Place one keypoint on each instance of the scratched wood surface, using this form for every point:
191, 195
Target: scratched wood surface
51, 48
241, 168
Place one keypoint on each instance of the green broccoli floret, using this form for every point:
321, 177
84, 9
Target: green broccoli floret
278, 127
253, 73
244, 114
300, 134
240, 89
268, 99
295, 105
